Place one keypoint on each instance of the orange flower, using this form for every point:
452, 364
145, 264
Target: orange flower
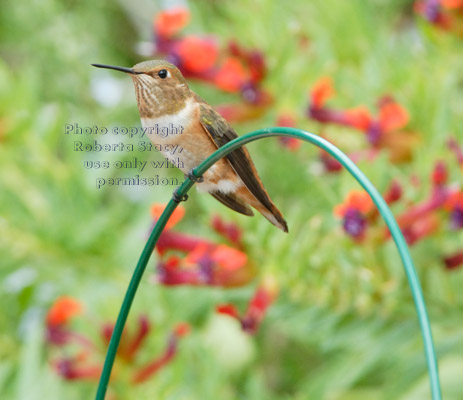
158, 208
229, 258
358, 117
392, 116
167, 23
197, 54
231, 75
452, 4
455, 200
322, 91
357, 200
228, 309
62, 310
198, 252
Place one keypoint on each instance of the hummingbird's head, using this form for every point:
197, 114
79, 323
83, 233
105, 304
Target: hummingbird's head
160, 87
163, 73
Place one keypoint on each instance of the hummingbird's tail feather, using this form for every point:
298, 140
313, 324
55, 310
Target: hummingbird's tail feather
233, 202
269, 210
274, 216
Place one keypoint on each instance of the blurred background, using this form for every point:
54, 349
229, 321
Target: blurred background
230, 307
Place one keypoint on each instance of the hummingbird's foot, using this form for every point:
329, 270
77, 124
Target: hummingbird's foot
194, 178
179, 198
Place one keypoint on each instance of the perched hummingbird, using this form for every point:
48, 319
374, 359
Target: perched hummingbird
164, 98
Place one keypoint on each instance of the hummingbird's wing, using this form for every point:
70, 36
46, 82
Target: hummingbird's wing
230, 200
221, 133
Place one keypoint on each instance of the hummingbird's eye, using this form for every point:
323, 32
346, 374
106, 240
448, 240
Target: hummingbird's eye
162, 73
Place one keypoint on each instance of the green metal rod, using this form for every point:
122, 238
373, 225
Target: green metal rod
383, 208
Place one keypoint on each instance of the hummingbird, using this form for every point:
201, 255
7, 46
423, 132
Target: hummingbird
164, 98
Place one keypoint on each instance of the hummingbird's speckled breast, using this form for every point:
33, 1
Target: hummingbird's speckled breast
175, 104
195, 146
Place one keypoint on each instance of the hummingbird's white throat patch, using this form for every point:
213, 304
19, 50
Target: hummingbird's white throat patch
180, 119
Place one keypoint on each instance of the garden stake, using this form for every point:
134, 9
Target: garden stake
196, 174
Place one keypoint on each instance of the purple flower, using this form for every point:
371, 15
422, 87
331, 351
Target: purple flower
456, 218
432, 10
354, 223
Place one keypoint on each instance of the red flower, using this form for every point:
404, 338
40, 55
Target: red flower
354, 212
384, 132
157, 209
454, 261
62, 310
73, 368
264, 296
147, 371
358, 117
322, 91
233, 69
196, 54
454, 204
356, 200
207, 264
421, 228
454, 201
228, 309
452, 4
169, 22
392, 116
252, 58
436, 12
231, 75
381, 132
59, 316
422, 219
129, 348
228, 258
229, 231
204, 262
171, 273
84, 359
439, 174
394, 192
170, 240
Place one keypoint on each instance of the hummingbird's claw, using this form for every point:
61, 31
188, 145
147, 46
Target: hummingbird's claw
179, 198
197, 179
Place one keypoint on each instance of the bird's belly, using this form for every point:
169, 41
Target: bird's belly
167, 138
193, 147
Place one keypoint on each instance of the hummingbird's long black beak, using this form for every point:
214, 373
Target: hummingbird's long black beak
123, 69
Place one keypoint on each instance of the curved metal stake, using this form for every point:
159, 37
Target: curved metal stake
383, 208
